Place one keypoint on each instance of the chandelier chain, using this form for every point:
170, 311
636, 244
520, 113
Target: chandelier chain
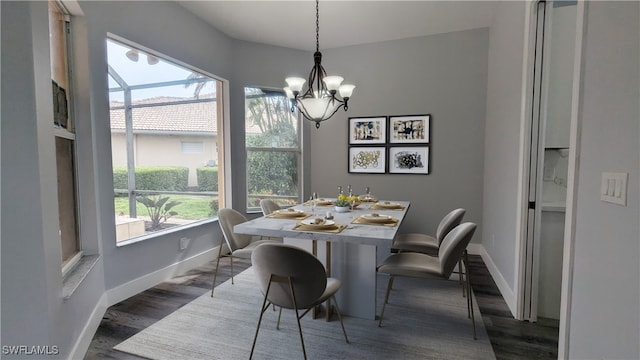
317, 25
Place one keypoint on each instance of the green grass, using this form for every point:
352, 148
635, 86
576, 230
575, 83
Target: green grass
191, 207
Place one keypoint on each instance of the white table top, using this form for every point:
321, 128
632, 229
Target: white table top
354, 233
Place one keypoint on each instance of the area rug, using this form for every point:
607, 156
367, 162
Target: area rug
425, 319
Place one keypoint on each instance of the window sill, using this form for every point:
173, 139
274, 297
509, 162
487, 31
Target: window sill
74, 278
165, 232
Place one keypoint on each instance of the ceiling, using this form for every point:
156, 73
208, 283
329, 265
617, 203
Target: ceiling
342, 23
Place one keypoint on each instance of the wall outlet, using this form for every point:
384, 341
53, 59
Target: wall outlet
184, 243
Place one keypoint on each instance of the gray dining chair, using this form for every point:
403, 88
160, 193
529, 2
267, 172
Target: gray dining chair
419, 265
292, 278
423, 243
268, 206
240, 245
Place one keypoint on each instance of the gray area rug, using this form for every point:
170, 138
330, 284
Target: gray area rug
425, 319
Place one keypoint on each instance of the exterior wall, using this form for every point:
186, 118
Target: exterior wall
165, 150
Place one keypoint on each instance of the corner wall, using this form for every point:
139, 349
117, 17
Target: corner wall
605, 303
502, 146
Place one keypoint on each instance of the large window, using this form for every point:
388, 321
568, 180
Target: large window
272, 135
166, 122
65, 137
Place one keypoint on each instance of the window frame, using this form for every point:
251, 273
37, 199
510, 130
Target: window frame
297, 150
68, 133
220, 144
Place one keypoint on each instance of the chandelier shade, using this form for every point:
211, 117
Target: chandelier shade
325, 95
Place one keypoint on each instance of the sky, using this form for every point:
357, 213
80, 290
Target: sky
140, 72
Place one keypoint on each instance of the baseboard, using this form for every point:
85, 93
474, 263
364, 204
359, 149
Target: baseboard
150, 280
86, 335
503, 286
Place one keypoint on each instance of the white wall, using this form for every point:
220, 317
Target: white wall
605, 307
502, 145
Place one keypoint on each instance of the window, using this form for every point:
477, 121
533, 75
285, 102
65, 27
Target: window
272, 135
165, 123
64, 133
192, 147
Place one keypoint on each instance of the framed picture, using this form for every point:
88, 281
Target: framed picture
409, 160
367, 159
409, 129
367, 130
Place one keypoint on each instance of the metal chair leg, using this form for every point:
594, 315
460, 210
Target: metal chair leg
389, 288
295, 307
231, 268
215, 273
386, 298
265, 306
470, 297
340, 317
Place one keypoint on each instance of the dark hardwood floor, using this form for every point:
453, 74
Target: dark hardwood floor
510, 338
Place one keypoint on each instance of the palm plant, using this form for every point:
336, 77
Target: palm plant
158, 208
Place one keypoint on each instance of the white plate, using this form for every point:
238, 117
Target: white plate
388, 205
311, 222
378, 218
290, 211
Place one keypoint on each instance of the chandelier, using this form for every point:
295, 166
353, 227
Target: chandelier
319, 102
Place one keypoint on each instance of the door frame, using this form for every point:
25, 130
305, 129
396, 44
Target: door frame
572, 178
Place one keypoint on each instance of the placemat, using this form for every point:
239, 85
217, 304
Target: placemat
393, 222
337, 228
378, 207
276, 215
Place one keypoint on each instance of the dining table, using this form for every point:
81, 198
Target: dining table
349, 244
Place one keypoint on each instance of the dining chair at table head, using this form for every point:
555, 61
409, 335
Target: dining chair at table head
419, 265
292, 278
268, 206
240, 245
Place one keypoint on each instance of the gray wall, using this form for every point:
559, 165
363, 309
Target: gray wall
442, 75
169, 29
502, 145
605, 307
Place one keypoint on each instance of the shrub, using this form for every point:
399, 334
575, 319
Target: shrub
168, 178
207, 178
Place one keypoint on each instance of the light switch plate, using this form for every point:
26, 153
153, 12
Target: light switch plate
614, 188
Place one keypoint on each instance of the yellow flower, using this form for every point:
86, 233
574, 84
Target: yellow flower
342, 197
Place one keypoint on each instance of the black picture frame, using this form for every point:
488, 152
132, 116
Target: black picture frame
367, 159
367, 130
409, 160
409, 129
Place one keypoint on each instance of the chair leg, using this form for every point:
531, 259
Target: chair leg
265, 306
231, 268
339, 317
386, 298
278, 323
295, 307
389, 287
469, 297
215, 273
461, 274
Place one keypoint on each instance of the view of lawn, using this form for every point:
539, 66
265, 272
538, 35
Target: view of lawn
191, 207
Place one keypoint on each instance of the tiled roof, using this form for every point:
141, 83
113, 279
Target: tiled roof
190, 117
171, 117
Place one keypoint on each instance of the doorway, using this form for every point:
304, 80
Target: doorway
551, 99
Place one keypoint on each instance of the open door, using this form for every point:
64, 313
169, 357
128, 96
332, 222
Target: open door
551, 99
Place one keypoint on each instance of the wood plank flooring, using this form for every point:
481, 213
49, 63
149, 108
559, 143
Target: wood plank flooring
510, 338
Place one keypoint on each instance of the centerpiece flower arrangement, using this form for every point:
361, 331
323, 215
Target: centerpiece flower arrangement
345, 201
